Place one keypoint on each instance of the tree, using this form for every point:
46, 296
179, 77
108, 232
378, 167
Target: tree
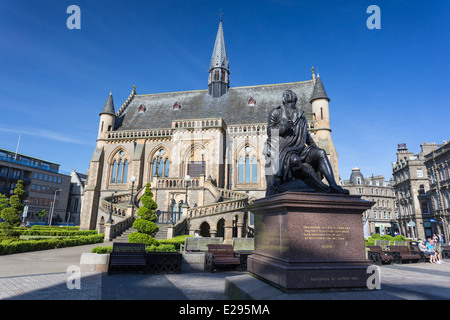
145, 224
41, 214
11, 214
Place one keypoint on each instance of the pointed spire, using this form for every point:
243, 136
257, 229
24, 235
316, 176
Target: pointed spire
319, 90
219, 57
109, 106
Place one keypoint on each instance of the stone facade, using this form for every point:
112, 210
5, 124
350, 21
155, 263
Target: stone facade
382, 216
437, 163
412, 188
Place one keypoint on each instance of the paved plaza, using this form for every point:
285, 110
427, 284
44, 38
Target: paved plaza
42, 275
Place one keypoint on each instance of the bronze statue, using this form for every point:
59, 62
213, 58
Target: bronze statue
293, 160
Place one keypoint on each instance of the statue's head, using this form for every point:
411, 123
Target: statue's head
289, 96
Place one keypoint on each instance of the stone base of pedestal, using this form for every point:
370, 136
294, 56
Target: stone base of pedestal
310, 241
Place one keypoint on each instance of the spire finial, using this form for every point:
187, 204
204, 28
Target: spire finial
220, 14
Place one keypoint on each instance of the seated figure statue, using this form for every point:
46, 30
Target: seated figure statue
293, 160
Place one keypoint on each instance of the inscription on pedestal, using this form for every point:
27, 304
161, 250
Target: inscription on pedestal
324, 233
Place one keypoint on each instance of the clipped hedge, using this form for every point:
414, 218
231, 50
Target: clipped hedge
70, 228
175, 241
56, 232
17, 246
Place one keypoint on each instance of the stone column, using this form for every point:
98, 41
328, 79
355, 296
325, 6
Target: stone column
109, 228
228, 234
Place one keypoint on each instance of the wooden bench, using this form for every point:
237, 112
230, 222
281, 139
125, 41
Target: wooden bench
384, 244
127, 254
403, 253
220, 255
198, 244
423, 256
379, 256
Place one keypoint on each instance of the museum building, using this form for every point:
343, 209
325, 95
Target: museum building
200, 150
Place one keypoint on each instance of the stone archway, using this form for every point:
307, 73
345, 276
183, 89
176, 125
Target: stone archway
205, 229
220, 228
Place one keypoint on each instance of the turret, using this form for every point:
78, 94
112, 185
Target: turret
320, 106
107, 117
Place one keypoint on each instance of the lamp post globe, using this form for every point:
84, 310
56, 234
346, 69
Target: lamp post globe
133, 180
187, 178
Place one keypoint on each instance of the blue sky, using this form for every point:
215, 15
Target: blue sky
386, 86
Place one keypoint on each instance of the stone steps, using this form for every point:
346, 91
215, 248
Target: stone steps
160, 235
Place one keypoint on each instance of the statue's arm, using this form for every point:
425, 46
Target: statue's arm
310, 141
277, 122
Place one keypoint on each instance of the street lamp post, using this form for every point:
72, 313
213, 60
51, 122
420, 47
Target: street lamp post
53, 206
133, 180
187, 178
111, 208
203, 161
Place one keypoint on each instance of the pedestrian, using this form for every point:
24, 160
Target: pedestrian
431, 247
441, 239
425, 250
197, 234
435, 238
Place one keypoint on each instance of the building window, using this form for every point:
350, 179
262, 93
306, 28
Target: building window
160, 164
119, 168
251, 102
176, 106
254, 170
419, 173
166, 168
241, 170
247, 166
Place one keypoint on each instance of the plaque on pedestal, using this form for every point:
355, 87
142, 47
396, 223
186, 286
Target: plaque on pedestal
309, 240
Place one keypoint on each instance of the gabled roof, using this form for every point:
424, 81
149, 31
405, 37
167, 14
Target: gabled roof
232, 107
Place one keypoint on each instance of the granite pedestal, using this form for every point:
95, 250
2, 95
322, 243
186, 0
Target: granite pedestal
310, 241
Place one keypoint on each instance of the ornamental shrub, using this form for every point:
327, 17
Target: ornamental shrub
138, 237
399, 238
145, 224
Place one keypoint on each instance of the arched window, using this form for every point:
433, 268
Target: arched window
254, 170
125, 172
247, 166
114, 172
119, 172
119, 168
166, 168
247, 169
161, 168
154, 168
241, 170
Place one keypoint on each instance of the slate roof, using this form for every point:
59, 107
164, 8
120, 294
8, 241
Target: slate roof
319, 90
108, 108
219, 56
232, 107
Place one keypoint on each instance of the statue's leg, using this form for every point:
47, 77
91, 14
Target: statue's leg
303, 173
327, 171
